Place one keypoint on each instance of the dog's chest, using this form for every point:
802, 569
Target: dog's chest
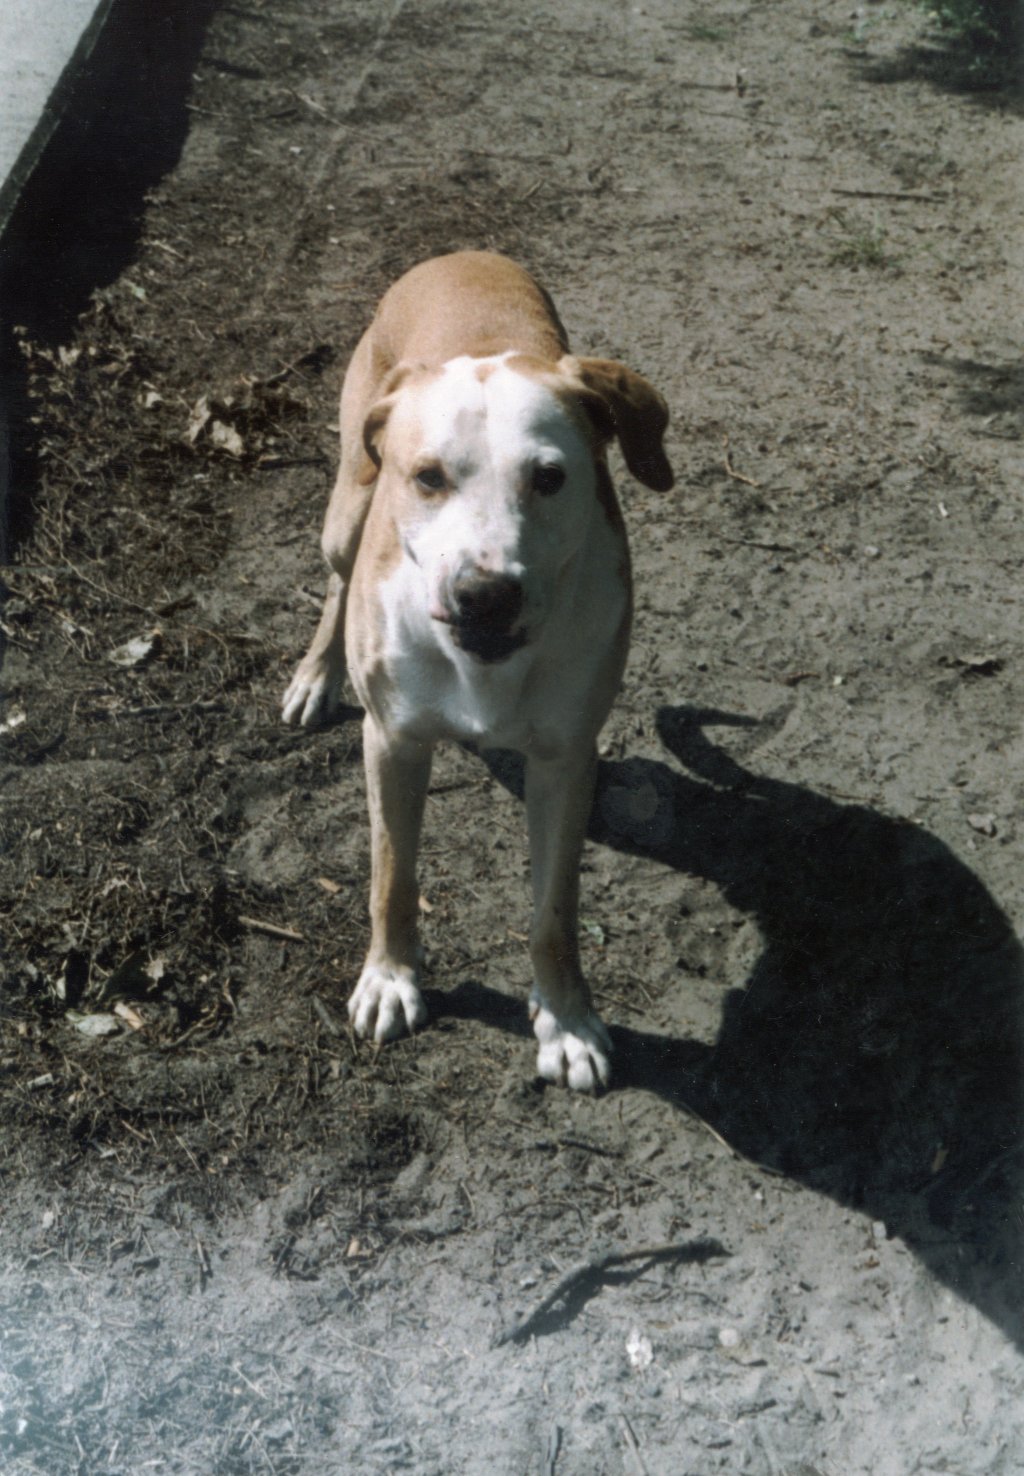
435, 694
539, 700
532, 702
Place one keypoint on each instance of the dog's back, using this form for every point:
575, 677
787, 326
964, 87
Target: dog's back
469, 302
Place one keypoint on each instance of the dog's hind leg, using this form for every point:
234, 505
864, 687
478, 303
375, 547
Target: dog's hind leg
574, 1044
387, 1002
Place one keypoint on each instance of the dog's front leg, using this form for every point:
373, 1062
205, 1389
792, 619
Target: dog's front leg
574, 1044
387, 1002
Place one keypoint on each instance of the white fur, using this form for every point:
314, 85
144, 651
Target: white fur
386, 1003
573, 1053
488, 425
314, 693
490, 436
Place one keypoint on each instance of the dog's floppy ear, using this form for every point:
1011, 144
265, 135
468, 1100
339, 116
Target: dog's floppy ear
376, 422
622, 403
373, 432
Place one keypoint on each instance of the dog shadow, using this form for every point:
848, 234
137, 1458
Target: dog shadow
874, 1053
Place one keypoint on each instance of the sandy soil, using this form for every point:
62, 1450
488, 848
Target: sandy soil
232, 1239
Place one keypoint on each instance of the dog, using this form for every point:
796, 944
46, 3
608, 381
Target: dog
480, 591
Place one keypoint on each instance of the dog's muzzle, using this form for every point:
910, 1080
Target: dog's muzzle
483, 611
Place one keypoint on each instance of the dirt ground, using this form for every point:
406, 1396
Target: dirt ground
233, 1240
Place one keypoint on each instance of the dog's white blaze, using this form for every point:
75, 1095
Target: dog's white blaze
490, 432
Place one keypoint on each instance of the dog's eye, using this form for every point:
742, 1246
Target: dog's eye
547, 480
430, 479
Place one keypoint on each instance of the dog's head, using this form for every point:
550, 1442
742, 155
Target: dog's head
492, 469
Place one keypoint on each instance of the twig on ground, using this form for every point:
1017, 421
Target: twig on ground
569, 1142
551, 1455
258, 925
782, 548
205, 1269
615, 999
310, 102
634, 1445
297, 363
153, 709
325, 1017
106, 591
205, 1022
890, 195
188, 1152
682, 1250
731, 470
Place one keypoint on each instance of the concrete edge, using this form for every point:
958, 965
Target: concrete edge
50, 117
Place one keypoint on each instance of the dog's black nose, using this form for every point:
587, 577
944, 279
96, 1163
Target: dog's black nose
487, 601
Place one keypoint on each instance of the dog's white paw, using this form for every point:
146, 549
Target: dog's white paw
575, 1053
314, 692
386, 1003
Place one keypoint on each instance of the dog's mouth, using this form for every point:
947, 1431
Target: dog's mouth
486, 644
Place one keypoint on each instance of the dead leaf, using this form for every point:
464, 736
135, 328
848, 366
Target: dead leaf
328, 885
138, 650
156, 969
639, 1350
209, 419
984, 824
129, 1015
15, 720
99, 1024
226, 438
199, 418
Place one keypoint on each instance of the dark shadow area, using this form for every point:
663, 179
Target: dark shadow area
76, 226
471, 1000
973, 46
994, 391
875, 1052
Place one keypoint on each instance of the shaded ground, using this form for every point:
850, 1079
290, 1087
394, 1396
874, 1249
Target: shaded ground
232, 1240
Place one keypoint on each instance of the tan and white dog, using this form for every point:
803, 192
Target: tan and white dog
480, 591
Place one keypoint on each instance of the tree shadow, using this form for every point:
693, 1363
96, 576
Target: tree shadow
875, 1053
994, 81
980, 55
994, 391
123, 123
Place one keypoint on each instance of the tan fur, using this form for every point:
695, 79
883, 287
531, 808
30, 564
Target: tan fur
479, 305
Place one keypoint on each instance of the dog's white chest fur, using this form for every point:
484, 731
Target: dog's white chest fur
534, 701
